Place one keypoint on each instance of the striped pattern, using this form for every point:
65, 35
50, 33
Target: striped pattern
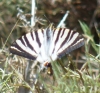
46, 45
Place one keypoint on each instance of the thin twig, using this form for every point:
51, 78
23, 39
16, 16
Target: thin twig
33, 13
9, 35
63, 19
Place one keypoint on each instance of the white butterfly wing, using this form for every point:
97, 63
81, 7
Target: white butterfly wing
47, 44
64, 41
28, 45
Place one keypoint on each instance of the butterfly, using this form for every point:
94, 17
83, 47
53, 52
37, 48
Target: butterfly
47, 45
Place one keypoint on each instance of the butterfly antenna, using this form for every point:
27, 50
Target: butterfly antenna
50, 23
47, 19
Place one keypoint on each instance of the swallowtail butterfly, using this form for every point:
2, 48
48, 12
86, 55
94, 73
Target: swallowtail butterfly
46, 45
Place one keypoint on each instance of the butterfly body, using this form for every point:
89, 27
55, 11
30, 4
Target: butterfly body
46, 45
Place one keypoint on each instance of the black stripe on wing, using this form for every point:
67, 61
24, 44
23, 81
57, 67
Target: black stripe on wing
32, 35
16, 49
22, 41
63, 32
37, 38
58, 35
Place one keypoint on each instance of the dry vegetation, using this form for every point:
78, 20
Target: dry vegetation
75, 73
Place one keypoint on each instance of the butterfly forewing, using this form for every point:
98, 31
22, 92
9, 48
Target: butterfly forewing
47, 44
28, 45
65, 41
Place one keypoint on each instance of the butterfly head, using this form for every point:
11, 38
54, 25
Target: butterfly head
49, 68
46, 64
